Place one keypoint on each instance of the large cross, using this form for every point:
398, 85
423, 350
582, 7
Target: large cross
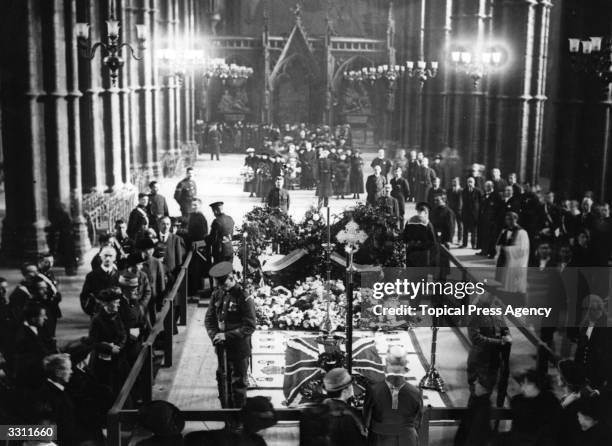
352, 236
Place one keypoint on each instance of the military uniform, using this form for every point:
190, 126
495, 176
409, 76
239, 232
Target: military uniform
279, 199
233, 313
220, 238
184, 194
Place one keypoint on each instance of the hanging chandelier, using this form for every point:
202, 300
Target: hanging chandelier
477, 64
111, 49
223, 71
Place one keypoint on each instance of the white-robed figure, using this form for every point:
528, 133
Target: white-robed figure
512, 256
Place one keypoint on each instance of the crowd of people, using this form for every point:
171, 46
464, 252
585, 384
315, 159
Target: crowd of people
73, 385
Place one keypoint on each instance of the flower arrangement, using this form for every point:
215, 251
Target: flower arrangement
310, 302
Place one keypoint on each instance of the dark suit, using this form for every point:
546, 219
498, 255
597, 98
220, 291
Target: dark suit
108, 369
443, 220
154, 269
411, 175
499, 185
470, 212
455, 203
487, 223
63, 413
30, 350
425, 178
158, 208
220, 238
485, 355
279, 199
595, 354
197, 227
374, 188
433, 193
401, 192
393, 426
345, 427
95, 281
172, 253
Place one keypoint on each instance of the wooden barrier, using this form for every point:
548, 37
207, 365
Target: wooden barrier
143, 366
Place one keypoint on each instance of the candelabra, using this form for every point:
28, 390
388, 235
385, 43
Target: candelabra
592, 56
233, 72
111, 49
477, 64
421, 71
372, 74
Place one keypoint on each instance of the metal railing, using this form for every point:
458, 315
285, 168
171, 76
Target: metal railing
143, 370
467, 276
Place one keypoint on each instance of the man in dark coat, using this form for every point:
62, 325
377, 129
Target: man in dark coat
122, 242
98, 279
471, 208
324, 178
308, 160
438, 168
375, 185
345, 426
54, 395
278, 198
23, 293
154, 269
230, 322
435, 191
250, 161
214, 141
139, 216
400, 190
185, 192
487, 221
170, 249
197, 232
393, 408
443, 220
386, 203
425, 179
32, 344
489, 336
411, 174
420, 239
158, 207
384, 163
499, 184
220, 237
455, 203
516, 188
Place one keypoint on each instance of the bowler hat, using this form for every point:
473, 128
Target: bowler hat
216, 204
337, 379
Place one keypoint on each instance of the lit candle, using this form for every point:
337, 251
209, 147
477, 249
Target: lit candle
82, 30
587, 46
434, 65
421, 64
466, 57
455, 56
410, 64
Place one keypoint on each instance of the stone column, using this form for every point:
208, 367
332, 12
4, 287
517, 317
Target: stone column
143, 91
90, 84
81, 237
155, 36
124, 105
23, 230
112, 120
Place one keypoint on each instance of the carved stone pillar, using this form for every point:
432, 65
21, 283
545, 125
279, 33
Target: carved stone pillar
23, 231
90, 84
81, 237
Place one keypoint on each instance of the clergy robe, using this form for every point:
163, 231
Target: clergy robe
512, 260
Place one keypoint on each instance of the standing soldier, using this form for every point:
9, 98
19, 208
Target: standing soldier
401, 192
278, 198
214, 141
220, 237
230, 322
157, 208
411, 174
185, 193
324, 179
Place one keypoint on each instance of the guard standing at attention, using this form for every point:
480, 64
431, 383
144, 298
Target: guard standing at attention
230, 322
220, 237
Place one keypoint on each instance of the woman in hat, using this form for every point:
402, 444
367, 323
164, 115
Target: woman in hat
108, 336
136, 292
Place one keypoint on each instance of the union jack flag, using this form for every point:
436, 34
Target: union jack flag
303, 363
